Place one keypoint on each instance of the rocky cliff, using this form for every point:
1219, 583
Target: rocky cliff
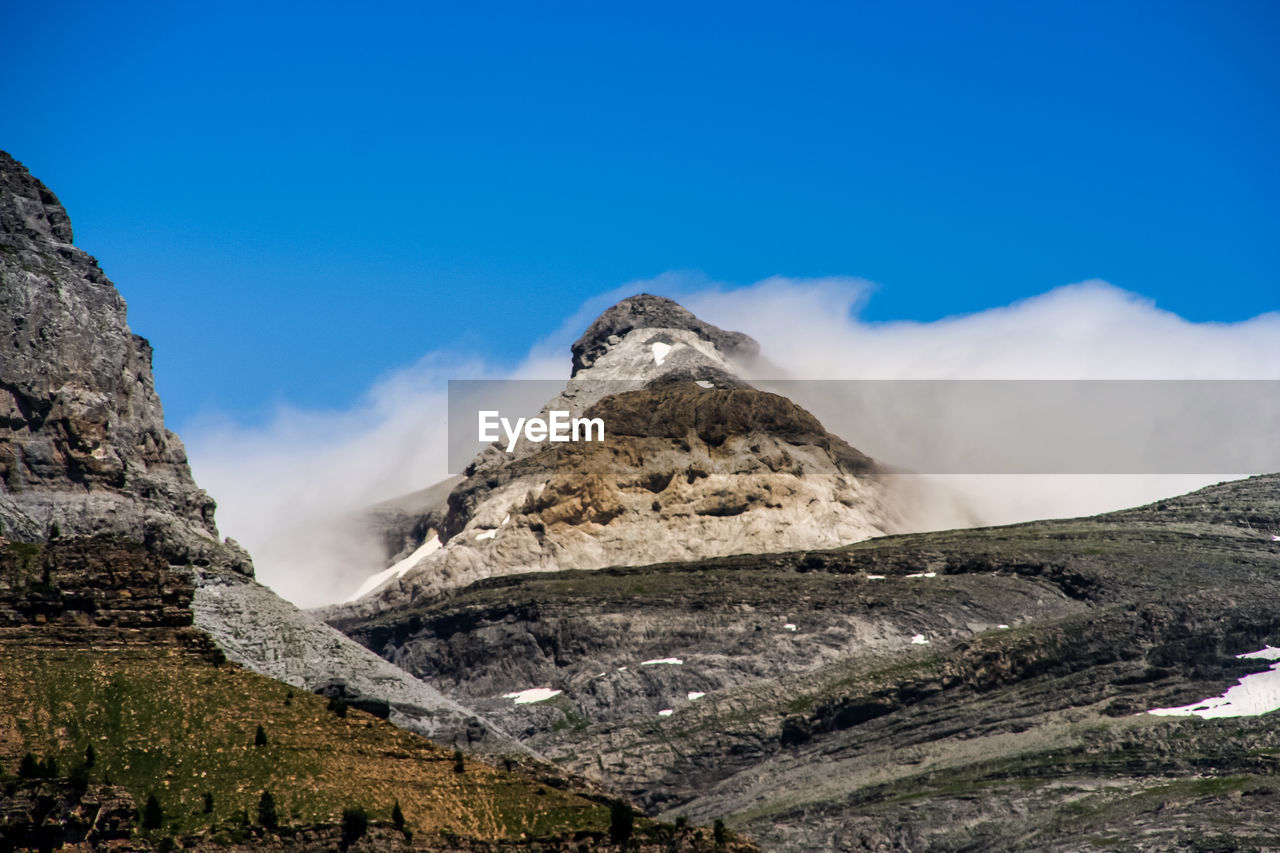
83, 446
84, 452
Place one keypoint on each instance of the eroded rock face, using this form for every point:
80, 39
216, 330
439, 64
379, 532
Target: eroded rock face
695, 463
83, 446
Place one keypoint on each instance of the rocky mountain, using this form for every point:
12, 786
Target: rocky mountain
84, 451
134, 643
694, 463
982, 689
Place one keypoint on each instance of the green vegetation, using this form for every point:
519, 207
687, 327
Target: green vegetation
165, 723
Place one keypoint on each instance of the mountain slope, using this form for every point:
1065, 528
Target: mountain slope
126, 719
977, 689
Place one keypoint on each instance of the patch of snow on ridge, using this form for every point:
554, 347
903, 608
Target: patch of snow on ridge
665, 712
694, 695
702, 383
875, 577
398, 570
789, 626
919, 640
656, 661
533, 694
922, 575
1252, 696
488, 534
660, 351
1275, 538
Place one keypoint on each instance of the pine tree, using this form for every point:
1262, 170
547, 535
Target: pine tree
621, 821
208, 802
152, 814
459, 765
89, 756
397, 817
267, 816
718, 832
28, 767
260, 737
355, 821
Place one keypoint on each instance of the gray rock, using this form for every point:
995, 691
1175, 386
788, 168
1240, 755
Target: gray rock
646, 311
83, 444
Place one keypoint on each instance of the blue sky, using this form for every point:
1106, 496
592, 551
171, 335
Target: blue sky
296, 199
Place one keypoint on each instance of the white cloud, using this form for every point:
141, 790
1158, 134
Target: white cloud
284, 488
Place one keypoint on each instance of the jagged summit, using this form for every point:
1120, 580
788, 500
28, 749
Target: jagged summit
646, 311
27, 207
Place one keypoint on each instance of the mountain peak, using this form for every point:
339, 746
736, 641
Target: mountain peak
647, 311
28, 207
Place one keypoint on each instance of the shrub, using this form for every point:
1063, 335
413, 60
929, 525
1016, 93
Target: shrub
355, 821
459, 765
267, 816
152, 814
90, 758
260, 737
338, 706
621, 821
208, 802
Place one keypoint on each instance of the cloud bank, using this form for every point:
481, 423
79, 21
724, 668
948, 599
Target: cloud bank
286, 490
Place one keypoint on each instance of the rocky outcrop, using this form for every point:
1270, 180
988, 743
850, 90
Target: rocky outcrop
55, 814
83, 446
646, 311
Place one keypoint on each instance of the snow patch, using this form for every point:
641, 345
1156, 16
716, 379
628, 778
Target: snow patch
399, 569
505, 519
1003, 627
1275, 538
919, 640
694, 695
665, 712
660, 351
656, 661
789, 627
534, 694
702, 383
488, 534
875, 577
923, 575
1252, 695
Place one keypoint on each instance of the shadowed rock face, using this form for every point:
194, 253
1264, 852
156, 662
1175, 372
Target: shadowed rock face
83, 444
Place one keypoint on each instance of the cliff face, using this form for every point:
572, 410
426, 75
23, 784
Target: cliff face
83, 446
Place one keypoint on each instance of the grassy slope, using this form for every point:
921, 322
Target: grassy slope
166, 721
